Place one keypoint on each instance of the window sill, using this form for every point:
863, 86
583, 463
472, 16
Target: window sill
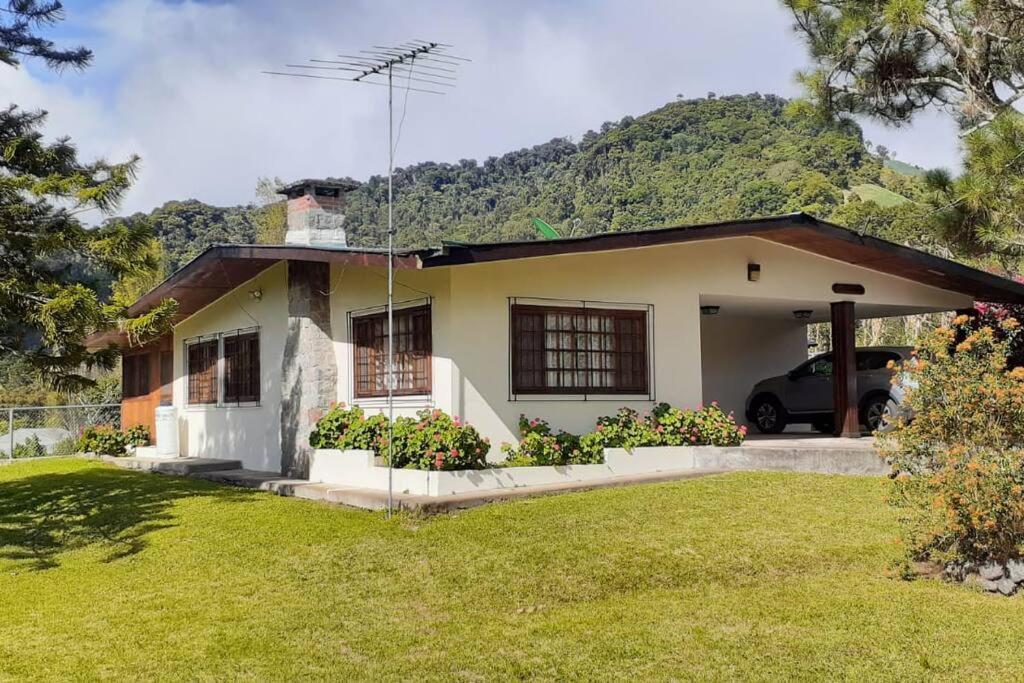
415, 401
582, 398
201, 407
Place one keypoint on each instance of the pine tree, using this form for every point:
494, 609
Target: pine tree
891, 59
53, 269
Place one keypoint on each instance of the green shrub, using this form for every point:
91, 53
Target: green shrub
663, 426
437, 441
68, 446
958, 467
137, 436
433, 440
103, 440
347, 428
539, 446
707, 426
30, 448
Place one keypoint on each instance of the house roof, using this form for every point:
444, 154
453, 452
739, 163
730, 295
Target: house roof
222, 267
797, 230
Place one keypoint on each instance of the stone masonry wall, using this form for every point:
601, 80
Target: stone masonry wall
309, 370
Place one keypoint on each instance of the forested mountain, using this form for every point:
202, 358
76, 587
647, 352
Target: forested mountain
690, 161
185, 228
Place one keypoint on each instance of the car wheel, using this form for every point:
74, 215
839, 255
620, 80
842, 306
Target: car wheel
769, 416
879, 413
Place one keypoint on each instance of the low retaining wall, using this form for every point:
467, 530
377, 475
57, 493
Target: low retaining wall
360, 469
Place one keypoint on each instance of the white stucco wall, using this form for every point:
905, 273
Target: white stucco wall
672, 279
738, 351
251, 434
361, 291
470, 317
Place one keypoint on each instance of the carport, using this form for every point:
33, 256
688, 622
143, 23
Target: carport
746, 337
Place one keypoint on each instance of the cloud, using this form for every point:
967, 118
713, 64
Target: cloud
180, 83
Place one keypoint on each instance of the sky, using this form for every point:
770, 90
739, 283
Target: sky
181, 83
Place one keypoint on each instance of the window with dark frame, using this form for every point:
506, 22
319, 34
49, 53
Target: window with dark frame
135, 375
202, 357
563, 350
412, 353
242, 367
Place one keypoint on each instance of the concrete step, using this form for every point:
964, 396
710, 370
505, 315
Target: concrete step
252, 479
179, 466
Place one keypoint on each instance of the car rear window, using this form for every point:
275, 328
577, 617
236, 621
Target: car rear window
875, 360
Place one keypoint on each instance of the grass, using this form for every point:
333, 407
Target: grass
106, 573
869, 192
904, 168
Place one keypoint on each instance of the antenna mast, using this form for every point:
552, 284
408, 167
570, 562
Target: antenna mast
418, 61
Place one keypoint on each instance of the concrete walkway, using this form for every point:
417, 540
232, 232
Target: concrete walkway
230, 473
787, 453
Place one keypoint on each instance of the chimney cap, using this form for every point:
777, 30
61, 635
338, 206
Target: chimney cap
306, 186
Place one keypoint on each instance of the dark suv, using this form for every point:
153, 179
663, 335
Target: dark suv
804, 394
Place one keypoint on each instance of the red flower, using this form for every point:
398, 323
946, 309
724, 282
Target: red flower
439, 460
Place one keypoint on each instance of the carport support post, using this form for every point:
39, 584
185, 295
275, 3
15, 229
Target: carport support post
844, 369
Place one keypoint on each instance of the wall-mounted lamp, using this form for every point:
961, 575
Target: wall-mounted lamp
710, 310
256, 294
802, 314
753, 272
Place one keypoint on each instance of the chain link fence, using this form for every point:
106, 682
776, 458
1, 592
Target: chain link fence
39, 431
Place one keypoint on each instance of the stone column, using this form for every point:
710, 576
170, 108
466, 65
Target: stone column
309, 372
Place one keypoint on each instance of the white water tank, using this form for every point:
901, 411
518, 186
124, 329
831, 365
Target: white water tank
166, 432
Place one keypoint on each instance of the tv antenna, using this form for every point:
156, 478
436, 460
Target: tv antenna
427, 67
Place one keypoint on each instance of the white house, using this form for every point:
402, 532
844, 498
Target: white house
268, 337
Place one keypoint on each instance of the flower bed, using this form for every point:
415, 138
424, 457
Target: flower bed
433, 440
363, 469
665, 425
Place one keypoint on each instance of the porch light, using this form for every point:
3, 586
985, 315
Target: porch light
710, 310
802, 313
753, 272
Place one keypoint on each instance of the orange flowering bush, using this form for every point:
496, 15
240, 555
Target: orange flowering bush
958, 466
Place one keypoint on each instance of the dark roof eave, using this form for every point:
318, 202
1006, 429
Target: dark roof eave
799, 230
257, 258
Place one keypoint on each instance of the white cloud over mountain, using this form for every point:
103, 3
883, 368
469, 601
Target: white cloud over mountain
181, 84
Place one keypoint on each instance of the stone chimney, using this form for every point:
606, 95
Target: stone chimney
316, 211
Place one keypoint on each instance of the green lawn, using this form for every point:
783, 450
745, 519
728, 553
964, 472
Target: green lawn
110, 573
